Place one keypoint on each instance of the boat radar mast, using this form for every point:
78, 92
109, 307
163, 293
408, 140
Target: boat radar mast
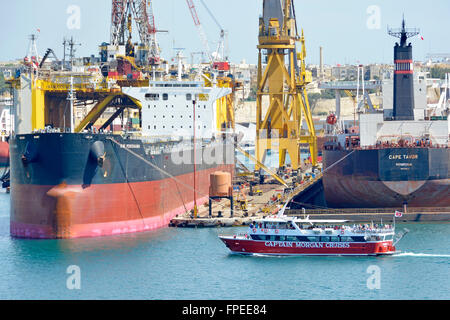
403, 33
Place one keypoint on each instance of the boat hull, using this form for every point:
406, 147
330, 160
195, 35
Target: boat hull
284, 248
387, 178
61, 192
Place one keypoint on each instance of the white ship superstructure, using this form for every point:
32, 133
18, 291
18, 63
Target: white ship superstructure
168, 108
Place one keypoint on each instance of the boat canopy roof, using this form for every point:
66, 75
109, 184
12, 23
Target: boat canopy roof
298, 220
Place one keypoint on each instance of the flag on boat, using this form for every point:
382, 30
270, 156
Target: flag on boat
421, 37
398, 214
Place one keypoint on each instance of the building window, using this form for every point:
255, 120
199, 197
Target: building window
165, 97
188, 96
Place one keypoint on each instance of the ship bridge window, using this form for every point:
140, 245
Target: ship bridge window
151, 96
165, 96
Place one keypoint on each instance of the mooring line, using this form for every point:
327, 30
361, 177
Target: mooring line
161, 170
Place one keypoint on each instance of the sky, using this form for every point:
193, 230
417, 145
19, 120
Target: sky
350, 31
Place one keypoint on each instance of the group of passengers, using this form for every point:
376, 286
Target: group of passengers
369, 227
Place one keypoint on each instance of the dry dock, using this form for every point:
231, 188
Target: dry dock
273, 196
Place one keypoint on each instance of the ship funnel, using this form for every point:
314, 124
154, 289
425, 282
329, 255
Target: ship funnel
403, 74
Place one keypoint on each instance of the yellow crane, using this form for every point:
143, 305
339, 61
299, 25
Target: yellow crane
283, 80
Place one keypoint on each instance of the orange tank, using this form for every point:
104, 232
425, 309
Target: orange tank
4, 153
220, 184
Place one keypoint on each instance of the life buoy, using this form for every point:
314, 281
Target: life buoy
254, 230
342, 231
265, 231
277, 231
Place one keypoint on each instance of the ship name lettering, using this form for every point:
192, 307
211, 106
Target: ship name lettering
338, 245
403, 156
130, 146
309, 244
278, 244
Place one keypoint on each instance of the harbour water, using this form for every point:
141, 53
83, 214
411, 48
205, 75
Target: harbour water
194, 264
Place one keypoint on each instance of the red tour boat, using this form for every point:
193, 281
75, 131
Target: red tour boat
281, 235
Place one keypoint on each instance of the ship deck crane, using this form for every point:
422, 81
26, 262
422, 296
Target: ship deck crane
284, 81
122, 14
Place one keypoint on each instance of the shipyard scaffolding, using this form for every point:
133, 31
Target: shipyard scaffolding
282, 77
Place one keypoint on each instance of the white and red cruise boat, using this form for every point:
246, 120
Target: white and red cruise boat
290, 236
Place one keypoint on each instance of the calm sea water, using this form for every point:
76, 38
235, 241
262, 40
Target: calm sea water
194, 264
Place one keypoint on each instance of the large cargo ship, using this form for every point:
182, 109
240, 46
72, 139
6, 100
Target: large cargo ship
118, 143
91, 183
84, 185
394, 160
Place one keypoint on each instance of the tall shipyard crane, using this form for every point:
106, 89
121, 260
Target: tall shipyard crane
283, 80
122, 13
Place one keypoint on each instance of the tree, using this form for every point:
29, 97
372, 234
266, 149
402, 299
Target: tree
439, 72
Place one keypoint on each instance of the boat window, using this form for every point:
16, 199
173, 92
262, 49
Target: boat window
151, 96
324, 239
273, 238
346, 239
258, 237
291, 238
282, 238
389, 237
358, 239
312, 239
334, 239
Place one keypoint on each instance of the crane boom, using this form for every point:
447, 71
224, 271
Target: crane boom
200, 30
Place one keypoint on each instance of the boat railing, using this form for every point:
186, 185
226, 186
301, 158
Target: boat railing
372, 231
